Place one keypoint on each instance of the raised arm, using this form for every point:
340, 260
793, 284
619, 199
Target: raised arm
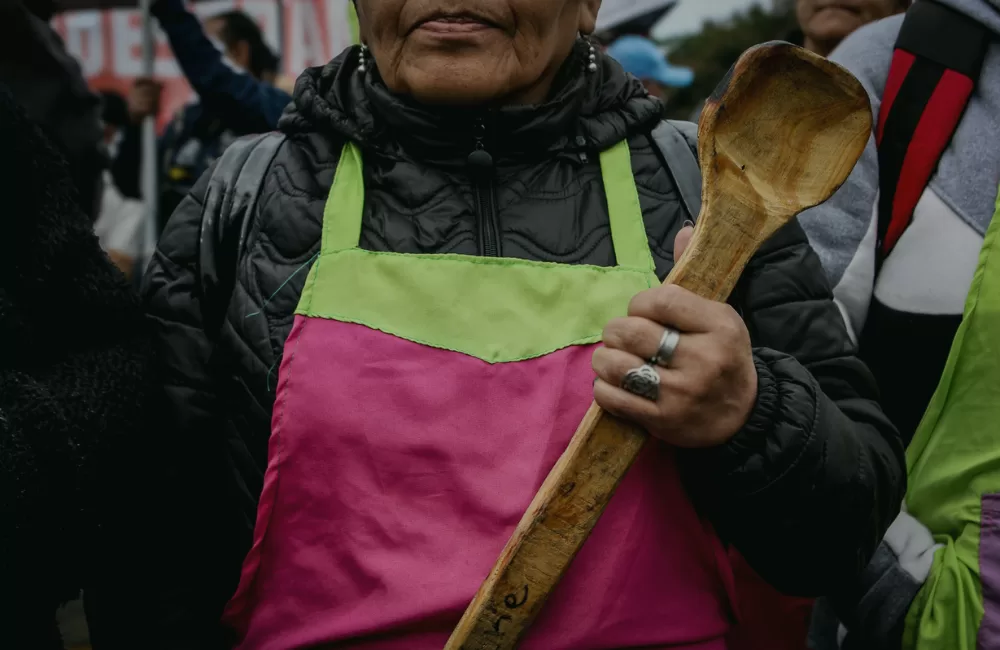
246, 104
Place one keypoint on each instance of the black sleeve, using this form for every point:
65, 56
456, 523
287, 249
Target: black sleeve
807, 489
196, 571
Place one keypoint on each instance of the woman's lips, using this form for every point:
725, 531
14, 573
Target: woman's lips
456, 26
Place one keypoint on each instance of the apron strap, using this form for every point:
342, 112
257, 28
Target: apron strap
628, 229
346, 203
345, 206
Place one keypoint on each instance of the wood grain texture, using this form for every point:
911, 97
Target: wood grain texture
780, 134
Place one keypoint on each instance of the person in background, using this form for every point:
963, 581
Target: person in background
48, 83
825, 24
822, 24
143, 100
115, 117
119, 224
643, 59
236, 96
74, 365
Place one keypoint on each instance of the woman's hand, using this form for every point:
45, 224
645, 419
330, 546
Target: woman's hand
709, 387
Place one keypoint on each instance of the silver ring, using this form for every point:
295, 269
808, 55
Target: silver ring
643, 381
668, 345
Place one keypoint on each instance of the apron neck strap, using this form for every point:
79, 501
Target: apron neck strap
345, 206
628, 229
346, 203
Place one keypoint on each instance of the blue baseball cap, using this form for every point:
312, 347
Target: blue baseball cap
641, 57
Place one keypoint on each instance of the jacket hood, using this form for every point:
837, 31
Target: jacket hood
586, 111
986, 12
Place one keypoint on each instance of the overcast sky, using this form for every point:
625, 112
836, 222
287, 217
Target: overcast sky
689, 15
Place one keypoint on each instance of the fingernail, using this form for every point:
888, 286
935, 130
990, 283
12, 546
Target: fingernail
688, 223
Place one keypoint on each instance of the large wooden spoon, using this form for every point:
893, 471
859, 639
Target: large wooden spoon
780, 134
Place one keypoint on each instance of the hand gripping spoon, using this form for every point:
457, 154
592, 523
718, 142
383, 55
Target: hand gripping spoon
779, 135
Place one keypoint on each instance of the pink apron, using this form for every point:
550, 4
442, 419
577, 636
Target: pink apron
422, 400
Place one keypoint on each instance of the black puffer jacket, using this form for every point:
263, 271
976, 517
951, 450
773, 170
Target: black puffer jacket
805, 491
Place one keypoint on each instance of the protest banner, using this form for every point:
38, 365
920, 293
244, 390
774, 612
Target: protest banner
108, 41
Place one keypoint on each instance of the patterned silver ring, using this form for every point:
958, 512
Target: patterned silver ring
643, 381
668, 345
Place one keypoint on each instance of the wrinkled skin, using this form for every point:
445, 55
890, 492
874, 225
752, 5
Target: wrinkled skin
503, 52
826, 23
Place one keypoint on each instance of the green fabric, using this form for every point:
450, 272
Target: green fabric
627, 229
953, 460
352, 20
508, 309
345, 203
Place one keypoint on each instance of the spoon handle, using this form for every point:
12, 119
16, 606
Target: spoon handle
726, 235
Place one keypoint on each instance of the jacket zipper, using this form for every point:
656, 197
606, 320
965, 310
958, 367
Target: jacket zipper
481, 170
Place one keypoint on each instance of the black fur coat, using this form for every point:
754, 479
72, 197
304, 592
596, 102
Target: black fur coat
73, 373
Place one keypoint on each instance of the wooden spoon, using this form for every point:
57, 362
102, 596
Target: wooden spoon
779, 135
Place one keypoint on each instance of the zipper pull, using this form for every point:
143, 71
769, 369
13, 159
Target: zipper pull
480, 161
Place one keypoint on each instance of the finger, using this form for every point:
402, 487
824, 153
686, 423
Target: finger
682, 240
638, 336
672, 306
624, 404
612, 365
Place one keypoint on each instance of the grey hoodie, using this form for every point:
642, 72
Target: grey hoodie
966, 180
969, 172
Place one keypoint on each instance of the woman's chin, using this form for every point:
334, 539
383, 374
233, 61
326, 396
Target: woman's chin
448, 85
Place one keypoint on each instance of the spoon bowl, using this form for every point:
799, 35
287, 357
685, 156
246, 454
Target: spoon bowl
792, 154
779, 135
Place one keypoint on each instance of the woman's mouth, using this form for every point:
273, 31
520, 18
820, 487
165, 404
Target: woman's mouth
456, 25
